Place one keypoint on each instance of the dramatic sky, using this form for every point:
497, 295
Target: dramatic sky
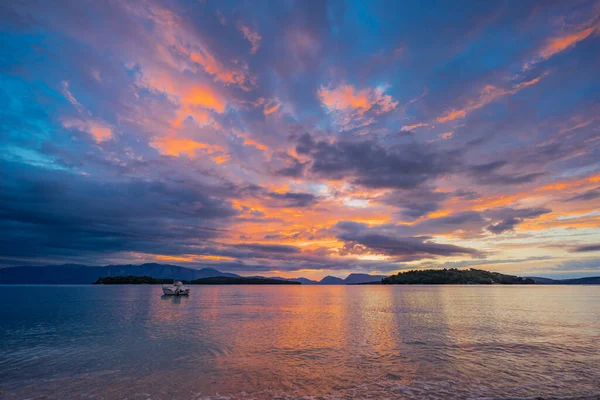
301, 138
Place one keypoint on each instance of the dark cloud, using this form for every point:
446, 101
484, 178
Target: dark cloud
269, 248
507, 224
274, 199
417, 202
361, 239
290, 166
58, 214
487, 174
466, 194
371, 164
586, 248
292, 199
467, 223
508, 218
487, 168
589, 195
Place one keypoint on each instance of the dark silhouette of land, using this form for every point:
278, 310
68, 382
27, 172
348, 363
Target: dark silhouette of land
215, 280
455, 277
83, 274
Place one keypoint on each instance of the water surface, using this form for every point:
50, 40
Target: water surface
330, 342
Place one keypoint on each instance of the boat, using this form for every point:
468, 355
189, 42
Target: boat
176, 289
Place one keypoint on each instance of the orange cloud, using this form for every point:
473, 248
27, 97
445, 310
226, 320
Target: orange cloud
204, 96
271, 109
99, 130
489, 94
349, 105
195, 103
216, 69
174, 146
347, 97
561, 43
180, 47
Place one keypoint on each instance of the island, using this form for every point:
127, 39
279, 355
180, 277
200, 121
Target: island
215, 280
454, 276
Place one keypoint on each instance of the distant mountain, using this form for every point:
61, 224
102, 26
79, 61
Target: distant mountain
304, 281
213, 280
331, 280
590, 280
354, 279
540, 280
82, 274
241, 280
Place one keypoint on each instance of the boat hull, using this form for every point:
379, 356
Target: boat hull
175, 291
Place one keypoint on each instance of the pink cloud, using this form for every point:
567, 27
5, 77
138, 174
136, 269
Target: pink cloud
489, 94
354, 108
174, 146
252, 36
99, 130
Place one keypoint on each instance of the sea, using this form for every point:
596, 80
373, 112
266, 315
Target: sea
300, 342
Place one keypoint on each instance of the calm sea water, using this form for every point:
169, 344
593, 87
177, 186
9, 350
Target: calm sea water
330, 342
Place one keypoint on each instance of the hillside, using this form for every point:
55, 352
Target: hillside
331, 280
215, 280
225, 280
590, 280
355, 279
455, 277
83, 274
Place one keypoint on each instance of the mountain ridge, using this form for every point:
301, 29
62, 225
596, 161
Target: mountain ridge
84, 274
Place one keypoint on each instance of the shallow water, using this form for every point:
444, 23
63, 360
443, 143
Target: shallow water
331, 342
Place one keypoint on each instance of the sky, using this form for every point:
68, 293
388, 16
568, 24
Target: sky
306, 138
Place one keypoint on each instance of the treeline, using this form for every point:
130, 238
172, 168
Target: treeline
216, 280
455, 276
131, 280
225, 280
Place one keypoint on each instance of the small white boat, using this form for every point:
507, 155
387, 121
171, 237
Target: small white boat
176, 289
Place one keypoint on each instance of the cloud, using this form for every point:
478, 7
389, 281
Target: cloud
269, 248
67, 92
370, 164
561, 43
287, 165
508, 218
487, 95
360, 238
352, 108
589, 195
251, 36
279, 199
580, 265
60, 215
174, 146
412, 127
198, 102
487, 174
99, 130
417, 202
176, 41
293, 199
464, 223
586, 248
